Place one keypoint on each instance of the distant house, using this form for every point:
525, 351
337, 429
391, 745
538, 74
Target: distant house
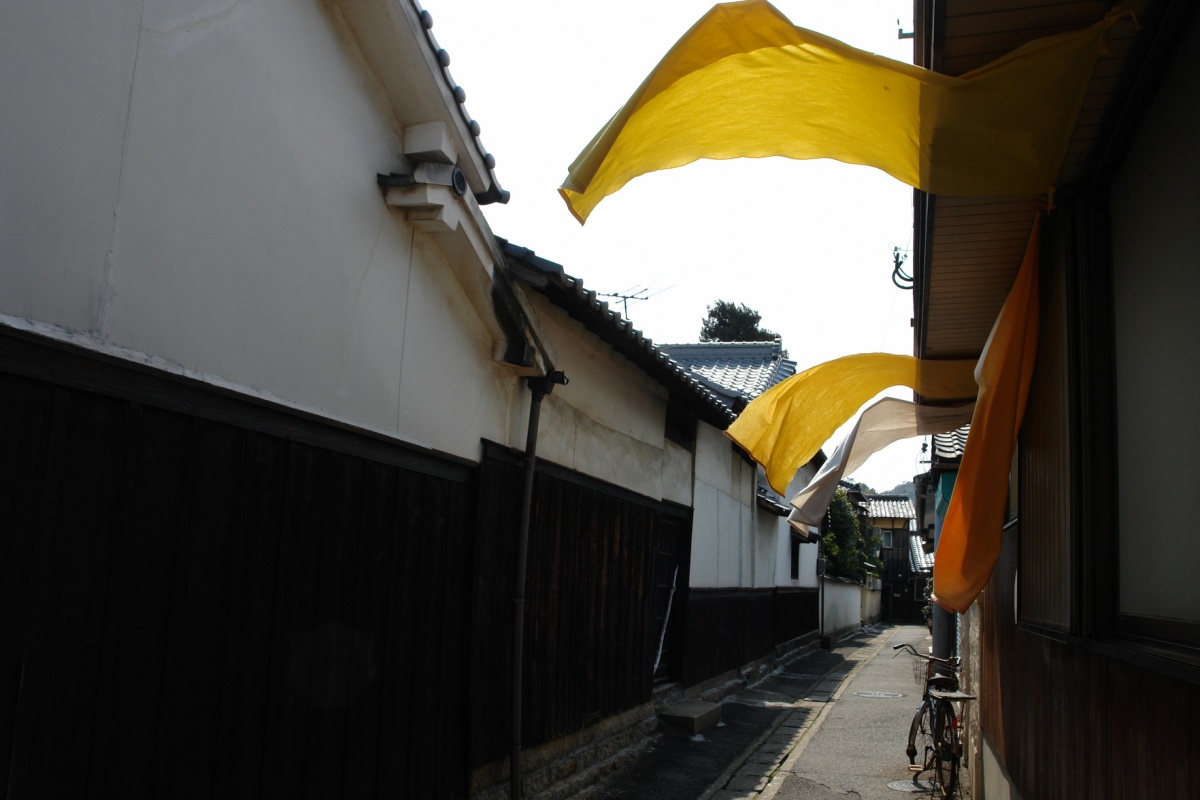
891, 520
738, 372
1084, 648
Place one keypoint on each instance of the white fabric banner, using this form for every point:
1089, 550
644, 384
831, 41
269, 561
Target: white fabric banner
883, 423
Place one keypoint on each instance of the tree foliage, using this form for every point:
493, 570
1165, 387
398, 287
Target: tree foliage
733, 322
842, 545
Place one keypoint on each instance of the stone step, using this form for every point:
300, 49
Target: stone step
692, 716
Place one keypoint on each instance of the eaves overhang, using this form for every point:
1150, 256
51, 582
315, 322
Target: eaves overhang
582, 304
967, 250
396, 39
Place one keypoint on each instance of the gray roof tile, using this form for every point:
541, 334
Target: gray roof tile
891, 506
918, 559
493, 194
741, 369
949, 446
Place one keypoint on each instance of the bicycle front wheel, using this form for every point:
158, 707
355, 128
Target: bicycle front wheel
920, 737
947, 750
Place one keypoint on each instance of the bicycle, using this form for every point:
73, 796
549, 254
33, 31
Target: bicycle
933, 734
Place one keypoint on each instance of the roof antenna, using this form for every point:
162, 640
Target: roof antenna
634, 294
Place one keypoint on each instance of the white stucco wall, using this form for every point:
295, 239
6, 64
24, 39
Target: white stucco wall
194, 184
723, 527
808, 566
783, 540
842, 603
609, 421
678, 466
769, 560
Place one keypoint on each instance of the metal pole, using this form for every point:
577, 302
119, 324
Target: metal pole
540, 388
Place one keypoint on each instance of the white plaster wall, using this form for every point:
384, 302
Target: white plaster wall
842, 604
872, 604
723, 523
677, 473
604, 385
195, 182
609, 421
714, 461
768, 560
706, 527
783, 540
808, 564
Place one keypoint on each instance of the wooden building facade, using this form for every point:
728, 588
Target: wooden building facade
1086, 654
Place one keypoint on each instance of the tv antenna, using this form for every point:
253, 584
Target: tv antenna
635, 294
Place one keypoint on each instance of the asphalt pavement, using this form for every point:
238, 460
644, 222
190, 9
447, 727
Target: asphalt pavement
828, 725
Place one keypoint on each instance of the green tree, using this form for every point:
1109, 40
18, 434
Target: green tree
733, 322
842, 545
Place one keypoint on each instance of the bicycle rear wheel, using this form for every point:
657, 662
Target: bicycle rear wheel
946, 751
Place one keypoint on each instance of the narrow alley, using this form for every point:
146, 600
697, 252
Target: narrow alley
829, 724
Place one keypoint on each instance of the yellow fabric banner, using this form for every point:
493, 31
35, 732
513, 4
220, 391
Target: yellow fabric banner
746, 83
786, 425
971, 533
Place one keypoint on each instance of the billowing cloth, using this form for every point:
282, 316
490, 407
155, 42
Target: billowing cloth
969, 544
883, 423
786, 425
746, 83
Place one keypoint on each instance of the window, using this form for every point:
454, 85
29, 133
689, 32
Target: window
887, 539
795, 557
1153, 210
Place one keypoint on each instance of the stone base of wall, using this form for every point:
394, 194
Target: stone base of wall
563, 768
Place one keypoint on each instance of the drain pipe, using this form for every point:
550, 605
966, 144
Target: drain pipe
540, 387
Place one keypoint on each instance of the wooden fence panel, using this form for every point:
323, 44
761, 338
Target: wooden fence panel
590, 637
196, 607
796, 613
25, 422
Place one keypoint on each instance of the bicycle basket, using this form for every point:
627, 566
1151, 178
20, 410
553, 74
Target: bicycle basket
920, 671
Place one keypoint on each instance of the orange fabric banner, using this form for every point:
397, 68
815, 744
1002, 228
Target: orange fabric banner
971, 533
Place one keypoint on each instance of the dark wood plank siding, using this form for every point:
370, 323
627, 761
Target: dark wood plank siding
1047, 566
596, 554
795, 613
729, 628
192, 607
1071, 722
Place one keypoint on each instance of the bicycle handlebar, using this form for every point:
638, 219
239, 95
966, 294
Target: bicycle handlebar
951, 662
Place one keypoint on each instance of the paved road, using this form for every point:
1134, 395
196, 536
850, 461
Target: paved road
829, 725
858, 749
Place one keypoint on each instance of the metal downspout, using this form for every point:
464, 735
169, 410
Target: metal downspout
540, 387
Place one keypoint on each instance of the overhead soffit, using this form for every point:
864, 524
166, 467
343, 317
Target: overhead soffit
976, 243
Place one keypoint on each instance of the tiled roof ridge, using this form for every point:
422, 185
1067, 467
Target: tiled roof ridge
777, 341
493, 194
624, 337
745, 368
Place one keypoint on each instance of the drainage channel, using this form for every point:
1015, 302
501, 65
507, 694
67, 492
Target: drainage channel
878, 694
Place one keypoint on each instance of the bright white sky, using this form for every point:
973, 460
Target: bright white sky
808, 244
